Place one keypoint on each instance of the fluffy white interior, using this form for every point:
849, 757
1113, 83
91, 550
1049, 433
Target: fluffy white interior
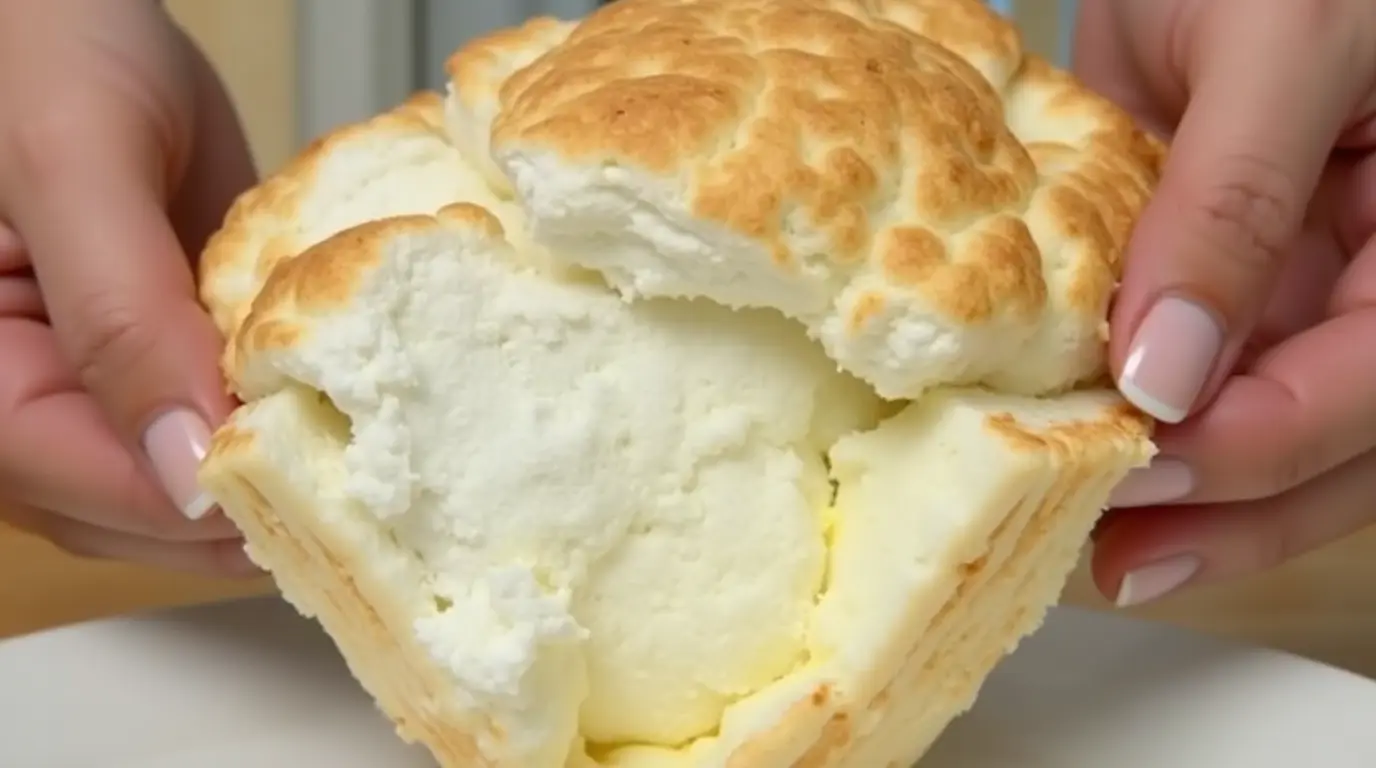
624, 509
644, 483
635, 229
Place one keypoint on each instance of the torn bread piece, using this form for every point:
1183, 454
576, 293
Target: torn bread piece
548, 527
400, 162
935, 205
555, 523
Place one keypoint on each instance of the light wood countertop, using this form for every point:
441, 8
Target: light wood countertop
42, 587
1323, 606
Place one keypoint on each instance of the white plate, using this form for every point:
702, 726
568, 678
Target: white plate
249, 684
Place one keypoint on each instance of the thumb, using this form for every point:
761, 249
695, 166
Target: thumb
1269, 95
85, 191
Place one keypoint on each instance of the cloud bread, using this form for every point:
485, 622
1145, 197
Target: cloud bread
555, 522
955, 524
935, 205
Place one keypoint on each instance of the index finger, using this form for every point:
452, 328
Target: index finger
1301, 408
59, 453
1304, 408
1271, 87
85, 191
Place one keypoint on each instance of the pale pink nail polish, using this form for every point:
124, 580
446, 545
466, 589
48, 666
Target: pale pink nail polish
175, 443
1165, 480
1154, 581
1171, 357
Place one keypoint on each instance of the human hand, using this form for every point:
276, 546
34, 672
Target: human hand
1247, 315
119, 152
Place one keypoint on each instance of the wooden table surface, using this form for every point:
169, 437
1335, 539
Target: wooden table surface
1322, 606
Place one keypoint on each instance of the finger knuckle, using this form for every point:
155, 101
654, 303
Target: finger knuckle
36, 145
1249, 216
113, 341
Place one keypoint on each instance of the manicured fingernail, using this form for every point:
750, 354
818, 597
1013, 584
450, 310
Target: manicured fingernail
1162, 481
1156, 580
1170, 359
176, 442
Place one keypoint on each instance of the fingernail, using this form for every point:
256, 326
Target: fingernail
175, 443
1162, 481
1170, 359
1151, 582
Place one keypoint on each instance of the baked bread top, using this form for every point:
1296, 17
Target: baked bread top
398, 163
936, 205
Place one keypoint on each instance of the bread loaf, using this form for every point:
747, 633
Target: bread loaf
705, 383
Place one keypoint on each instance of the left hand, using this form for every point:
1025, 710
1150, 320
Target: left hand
1246, 322
119, 154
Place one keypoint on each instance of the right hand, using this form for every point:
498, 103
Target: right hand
1247, 312
119, 153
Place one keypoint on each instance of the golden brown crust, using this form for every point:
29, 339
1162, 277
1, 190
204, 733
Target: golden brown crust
1122, 424
326, 275
396, 164
325, 278
260, 230
477, 73
478, 69
913, 141
727, 94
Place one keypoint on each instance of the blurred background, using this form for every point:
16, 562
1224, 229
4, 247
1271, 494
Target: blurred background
299, 67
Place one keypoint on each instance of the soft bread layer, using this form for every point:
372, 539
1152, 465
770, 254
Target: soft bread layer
398, 163
927, 588
608, 522
934, 205
573, 470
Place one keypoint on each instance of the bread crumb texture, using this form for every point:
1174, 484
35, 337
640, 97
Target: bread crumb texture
703, 383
